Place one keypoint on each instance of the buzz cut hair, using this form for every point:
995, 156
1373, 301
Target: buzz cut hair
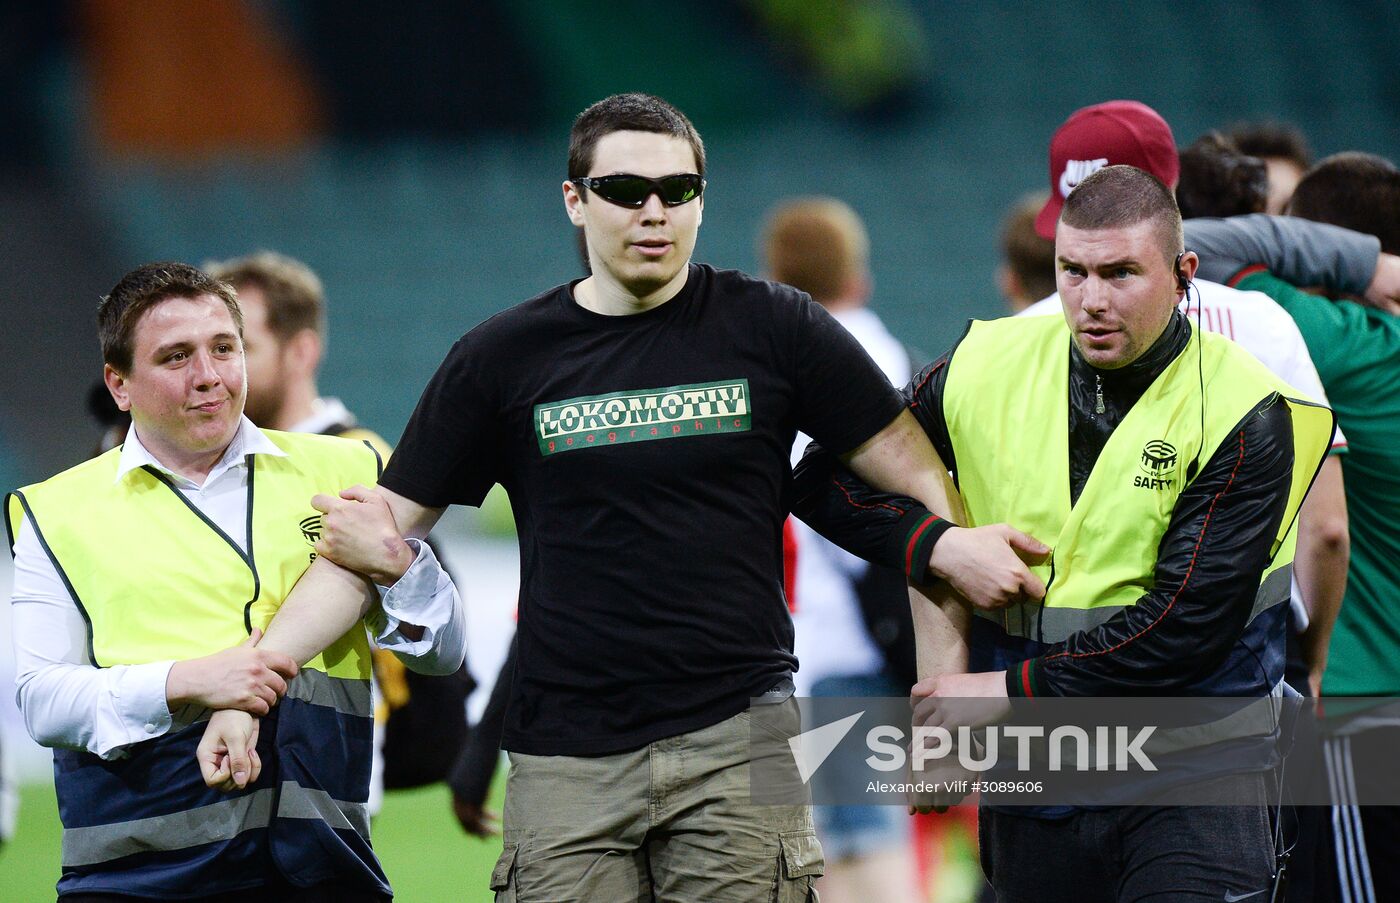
1118, 196
628, 113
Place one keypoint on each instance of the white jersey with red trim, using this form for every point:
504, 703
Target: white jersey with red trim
831, 639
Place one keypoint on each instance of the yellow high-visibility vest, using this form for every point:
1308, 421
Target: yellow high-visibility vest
157, 580
1006, 402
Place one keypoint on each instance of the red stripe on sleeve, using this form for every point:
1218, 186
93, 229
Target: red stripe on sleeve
914, 541
1247, 271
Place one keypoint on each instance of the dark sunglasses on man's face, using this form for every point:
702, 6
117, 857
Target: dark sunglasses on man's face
627, 190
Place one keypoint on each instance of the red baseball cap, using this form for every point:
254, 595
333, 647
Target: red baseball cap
1106, 134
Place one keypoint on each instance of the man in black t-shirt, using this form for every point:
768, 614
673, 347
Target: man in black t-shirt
640, 420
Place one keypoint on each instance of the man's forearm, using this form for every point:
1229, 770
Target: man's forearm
1324, 548
874, 526
327, 601
900, 459
941, 623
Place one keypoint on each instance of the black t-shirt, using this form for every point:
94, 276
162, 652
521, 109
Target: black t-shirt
646, 459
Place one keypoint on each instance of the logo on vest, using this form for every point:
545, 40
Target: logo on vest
1077, 171
311, 531
1158, 465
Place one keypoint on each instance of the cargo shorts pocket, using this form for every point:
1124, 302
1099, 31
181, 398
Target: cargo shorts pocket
503, 875
802, 865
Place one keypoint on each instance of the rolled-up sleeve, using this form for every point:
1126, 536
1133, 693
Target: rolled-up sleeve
425, 597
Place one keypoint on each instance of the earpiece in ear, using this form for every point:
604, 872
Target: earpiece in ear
1180, 276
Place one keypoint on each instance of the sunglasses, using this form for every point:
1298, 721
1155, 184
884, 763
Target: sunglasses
627, 190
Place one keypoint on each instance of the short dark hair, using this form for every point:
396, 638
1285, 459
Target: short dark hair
1029, 256
1217, 179
1279, 140
628, 113
295, 298
1355, 190
143, 288
1118, 196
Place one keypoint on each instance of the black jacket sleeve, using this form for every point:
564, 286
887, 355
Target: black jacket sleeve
471, 775
1209, 562
890, 530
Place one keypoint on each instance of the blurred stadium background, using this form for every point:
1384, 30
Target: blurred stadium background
411, 153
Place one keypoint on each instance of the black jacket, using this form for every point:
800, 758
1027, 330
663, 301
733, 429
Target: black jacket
1179, 638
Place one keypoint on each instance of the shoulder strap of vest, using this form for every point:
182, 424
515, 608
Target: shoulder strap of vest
372, 440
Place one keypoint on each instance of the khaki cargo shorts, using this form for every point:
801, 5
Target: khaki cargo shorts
670, 822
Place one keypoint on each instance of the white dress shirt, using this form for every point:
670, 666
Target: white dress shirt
68, 702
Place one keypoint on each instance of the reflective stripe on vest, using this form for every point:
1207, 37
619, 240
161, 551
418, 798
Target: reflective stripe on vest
1033, 620
1006, 402
207, 824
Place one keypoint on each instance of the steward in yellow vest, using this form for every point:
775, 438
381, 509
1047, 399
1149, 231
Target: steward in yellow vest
1164, 469
1143, 514
143, 579
156, 580
1107, 531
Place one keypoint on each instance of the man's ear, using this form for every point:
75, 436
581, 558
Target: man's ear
116, 384
862, 286
573, 203
1189, 264
304, 351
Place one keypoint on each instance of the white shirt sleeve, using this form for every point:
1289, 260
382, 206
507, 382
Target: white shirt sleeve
423, 597
66, 701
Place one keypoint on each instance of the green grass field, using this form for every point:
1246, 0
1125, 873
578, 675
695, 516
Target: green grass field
427, 857
425, 853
